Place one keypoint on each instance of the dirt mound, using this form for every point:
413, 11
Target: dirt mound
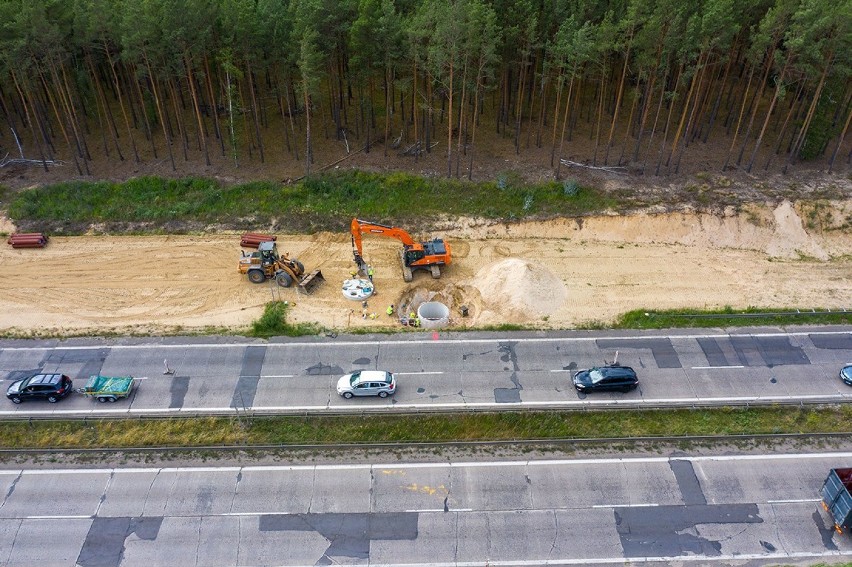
520, 287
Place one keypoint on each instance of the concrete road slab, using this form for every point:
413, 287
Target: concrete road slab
273, 492
47, 542
45, 495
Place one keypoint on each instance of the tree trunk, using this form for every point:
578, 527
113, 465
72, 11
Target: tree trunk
214, 106
800, 140
739, 119
840, 140
756, 104
120, 97
618, 96
759, 140
202, 138
254, 111
565, 118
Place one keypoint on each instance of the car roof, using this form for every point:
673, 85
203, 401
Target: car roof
373, 376
45, 379
611, 371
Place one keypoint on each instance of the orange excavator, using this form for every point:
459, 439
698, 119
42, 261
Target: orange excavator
429, 255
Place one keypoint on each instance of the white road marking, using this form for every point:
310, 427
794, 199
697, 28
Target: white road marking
427, 341
58, 517
830, 457
715, 367
624, 505
414, 373
799, 501
441, 510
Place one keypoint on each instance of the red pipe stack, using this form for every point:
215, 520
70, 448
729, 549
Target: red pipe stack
28, 240
252, 239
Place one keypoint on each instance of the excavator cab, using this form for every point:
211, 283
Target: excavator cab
412, 256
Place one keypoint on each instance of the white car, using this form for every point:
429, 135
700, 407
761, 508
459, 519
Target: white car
367, 383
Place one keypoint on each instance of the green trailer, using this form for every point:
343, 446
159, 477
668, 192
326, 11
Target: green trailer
107, 388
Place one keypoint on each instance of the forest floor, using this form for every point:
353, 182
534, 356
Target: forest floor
704, 238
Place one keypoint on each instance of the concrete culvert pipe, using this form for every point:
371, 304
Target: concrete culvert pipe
433, 315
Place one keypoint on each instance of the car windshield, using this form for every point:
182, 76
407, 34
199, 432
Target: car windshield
354, 379
595, 375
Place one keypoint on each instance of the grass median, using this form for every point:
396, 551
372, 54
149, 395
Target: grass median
433, 428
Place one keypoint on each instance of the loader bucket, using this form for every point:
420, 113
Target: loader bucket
311, 281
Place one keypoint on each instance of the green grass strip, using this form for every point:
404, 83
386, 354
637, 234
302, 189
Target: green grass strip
504, 426
323, 202
728, 317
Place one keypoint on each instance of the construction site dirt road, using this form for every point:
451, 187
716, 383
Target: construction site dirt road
551, 274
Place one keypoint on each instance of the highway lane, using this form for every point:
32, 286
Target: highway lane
697, 510
440, 371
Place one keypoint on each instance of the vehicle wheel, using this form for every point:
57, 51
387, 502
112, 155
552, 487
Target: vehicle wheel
52, 399
347, 395
300, 268
112, 399
383, 394
283, 279
102, 399
16, 400
436, 272
256, 276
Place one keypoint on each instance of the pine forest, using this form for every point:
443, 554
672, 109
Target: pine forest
645, 85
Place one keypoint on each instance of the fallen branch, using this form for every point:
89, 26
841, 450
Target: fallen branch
332, 164
23, 161
617, 169
415, 149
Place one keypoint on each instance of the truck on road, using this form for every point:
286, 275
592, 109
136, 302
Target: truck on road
837, 497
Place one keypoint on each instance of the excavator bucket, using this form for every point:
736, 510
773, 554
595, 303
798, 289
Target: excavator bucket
310, 282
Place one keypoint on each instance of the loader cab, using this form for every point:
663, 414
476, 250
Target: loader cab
267, 252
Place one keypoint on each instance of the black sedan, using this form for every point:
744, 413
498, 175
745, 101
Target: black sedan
846, 374
606, 379
50, 387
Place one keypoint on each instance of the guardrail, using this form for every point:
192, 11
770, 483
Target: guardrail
418, 409
508, 443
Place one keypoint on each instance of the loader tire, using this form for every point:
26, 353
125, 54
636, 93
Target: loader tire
256, 276
283, 279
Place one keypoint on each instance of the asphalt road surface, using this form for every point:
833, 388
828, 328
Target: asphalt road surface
440, 371
712, 510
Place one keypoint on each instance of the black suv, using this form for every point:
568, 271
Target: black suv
606, 379
50, 387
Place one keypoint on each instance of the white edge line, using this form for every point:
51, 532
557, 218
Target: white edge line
794, 501
624, 505
715, 367
461, 464
414, 373
58, 517
427, 341
629, 402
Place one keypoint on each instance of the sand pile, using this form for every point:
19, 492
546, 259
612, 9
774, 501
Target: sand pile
521, 287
